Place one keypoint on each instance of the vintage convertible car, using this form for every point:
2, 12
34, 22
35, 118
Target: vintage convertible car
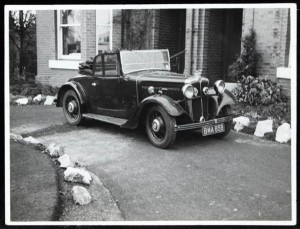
126, 88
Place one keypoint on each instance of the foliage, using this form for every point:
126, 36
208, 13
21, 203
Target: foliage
30, 88
22, 44
136, 25
257, 91
246, 63
279, 112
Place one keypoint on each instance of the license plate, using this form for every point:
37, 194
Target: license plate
213, 129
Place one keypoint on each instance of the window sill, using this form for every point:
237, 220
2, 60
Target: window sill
283, 73
64, 64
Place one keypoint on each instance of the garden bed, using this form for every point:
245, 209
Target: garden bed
279, 112
29, 90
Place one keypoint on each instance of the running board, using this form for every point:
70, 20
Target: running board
104, 118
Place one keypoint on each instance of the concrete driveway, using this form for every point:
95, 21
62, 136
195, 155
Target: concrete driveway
239, 177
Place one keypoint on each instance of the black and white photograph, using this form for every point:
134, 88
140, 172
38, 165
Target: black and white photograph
162, 114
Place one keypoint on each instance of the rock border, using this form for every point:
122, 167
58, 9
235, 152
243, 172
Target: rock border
256, 128
98, 203
39, 99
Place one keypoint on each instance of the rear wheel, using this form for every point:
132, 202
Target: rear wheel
226, 111
71, 108
160, 127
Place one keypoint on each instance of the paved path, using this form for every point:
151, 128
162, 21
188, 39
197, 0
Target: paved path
239, 177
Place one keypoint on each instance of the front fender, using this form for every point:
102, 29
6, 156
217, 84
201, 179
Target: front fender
172, 108
71, 85
217, 102
166, 102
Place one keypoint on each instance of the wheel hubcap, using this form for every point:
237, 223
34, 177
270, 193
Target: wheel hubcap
157, 125
72, 107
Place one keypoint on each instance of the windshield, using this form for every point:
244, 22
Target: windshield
144, 60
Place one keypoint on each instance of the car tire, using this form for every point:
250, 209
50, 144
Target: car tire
226, 111
71, 108
160, 127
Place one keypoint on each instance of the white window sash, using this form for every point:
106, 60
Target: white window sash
98, 24
60, 56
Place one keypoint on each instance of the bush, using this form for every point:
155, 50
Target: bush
30, 88
246, 63
257, 91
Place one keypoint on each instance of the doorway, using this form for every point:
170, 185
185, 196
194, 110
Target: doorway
172, 35
232, 35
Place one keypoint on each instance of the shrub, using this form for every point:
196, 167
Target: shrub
30, 88
257, 91
246, 63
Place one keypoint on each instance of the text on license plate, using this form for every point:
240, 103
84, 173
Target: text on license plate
213, 129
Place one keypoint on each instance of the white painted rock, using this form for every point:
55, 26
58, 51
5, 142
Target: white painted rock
283, 133
54, 150
241, 122
22, 101
38, 98
64, 161
31, 140
15, 136
49, 100
263, 127
81, 195
78, 175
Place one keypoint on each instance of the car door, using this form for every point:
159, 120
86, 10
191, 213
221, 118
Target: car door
106, 92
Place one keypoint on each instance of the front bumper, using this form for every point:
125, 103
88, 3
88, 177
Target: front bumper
199, 125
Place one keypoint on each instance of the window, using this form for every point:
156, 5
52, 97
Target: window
110, 65
98, 66
106, 65
69, 34
103, 31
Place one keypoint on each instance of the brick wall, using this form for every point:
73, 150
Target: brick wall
47, 46
286, 86
88, 33
271, 27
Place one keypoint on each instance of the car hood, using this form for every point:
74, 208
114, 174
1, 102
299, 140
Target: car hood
162, 77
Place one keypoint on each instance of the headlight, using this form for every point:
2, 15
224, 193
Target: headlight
188, 91
219, 86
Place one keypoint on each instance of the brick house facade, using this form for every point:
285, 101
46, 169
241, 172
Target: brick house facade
211, 37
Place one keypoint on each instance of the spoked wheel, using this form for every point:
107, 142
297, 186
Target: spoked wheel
160, 127
71, 108
226, 111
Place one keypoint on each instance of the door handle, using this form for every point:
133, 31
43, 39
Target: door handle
94, 84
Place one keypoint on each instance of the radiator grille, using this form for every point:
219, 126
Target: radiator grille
196, 103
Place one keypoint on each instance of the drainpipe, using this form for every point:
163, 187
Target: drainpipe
195, 39
191, 43
202, 40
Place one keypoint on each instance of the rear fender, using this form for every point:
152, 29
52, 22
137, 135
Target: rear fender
217, 102
71, 86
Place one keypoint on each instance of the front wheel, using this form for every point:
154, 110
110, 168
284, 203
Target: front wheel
160, 127
71, 108
226, 111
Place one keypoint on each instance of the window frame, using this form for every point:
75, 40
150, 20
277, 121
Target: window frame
118, 70
110, 32
60, 26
